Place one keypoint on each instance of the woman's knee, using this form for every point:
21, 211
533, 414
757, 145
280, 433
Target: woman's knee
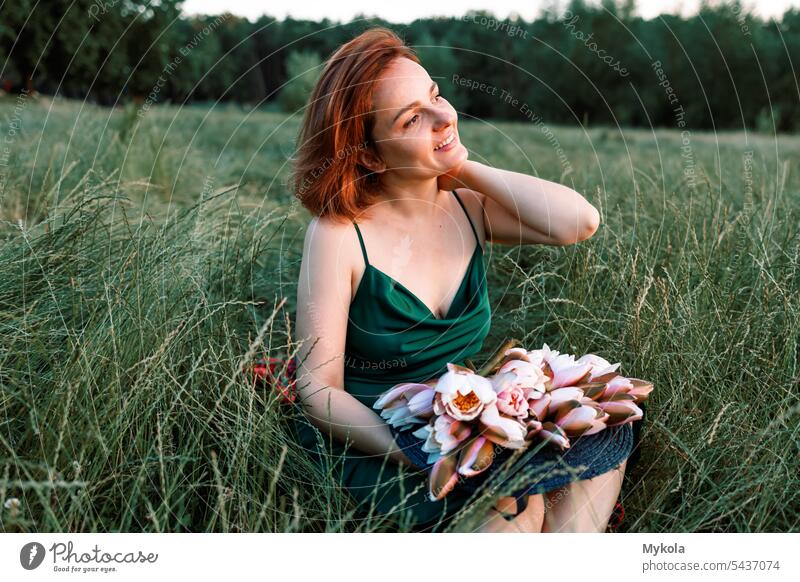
558, 496
534, 513
584, 505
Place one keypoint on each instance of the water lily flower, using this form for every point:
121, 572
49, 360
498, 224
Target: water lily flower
515, 354
520, 373
539, 358
617, 385
512, 401
542, 356
473, 457
621, 409
560, 369
406, 404
641, 389
593, 390
601, 369
518, 383
476, 457
532, 427
502, 430
443, 477
552, 433
566, 371
578, 419
561, 395
442, 435
540, 407
462, 393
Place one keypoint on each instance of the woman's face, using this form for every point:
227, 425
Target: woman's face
411, 120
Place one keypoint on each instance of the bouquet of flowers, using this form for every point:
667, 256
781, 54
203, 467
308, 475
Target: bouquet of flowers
517, 398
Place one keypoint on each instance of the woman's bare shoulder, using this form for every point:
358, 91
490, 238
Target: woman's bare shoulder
330, 248
327, 235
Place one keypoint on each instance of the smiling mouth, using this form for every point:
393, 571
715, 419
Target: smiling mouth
445, 143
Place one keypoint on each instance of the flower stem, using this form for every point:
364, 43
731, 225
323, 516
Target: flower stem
493, 362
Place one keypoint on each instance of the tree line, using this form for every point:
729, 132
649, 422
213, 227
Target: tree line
720, 68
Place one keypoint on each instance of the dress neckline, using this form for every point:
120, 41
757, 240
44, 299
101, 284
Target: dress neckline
398, 285
395, 284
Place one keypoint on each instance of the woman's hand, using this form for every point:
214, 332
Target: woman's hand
450, 180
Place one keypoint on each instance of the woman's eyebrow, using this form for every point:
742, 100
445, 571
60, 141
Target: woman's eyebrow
411, 106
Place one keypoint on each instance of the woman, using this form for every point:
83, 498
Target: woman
392, 283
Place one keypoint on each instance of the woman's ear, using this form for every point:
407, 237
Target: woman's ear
370, 160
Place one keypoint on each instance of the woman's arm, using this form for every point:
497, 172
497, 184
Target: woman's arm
323, 304
351, 421
523, 209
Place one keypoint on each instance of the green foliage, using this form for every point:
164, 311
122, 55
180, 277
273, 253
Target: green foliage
440, 60
302, 71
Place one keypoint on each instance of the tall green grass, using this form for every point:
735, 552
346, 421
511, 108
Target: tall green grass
144, 262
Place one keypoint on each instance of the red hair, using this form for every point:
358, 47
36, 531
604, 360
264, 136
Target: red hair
328, 178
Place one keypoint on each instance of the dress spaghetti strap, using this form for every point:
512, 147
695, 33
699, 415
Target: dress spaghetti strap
468, 218
361, 241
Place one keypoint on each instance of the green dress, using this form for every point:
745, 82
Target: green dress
393, 337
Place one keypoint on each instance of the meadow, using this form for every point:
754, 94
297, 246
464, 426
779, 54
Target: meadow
146, 257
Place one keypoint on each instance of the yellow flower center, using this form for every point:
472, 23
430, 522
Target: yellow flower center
466, 402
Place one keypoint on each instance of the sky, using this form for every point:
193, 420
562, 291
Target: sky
408, 10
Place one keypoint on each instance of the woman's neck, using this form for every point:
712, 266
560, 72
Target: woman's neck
411, 199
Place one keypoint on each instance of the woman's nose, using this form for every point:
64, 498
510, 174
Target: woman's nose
444, 116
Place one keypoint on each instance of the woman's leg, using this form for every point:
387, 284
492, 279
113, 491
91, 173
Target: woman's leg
583, 506
529, 521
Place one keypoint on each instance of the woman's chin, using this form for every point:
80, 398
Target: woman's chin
451, 158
